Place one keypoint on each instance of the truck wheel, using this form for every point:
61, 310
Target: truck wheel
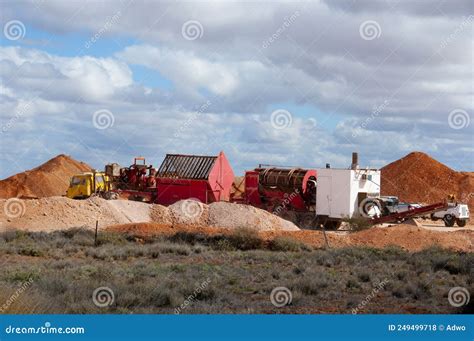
461, 222
449, 220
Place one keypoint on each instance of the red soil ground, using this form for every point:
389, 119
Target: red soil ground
410, 238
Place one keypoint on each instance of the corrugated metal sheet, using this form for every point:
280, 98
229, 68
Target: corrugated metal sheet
186, 166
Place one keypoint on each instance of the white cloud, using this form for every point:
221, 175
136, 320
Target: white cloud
185, 69
63, 78
319, 62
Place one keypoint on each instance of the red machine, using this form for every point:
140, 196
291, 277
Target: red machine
206, 178
412, 213
290, 193
137, 177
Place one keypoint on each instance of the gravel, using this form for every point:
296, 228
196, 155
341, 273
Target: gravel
229, 215
48, 214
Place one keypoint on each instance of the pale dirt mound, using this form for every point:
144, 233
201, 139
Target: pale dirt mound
419, 178
50, 179
161, 214
53, 213
229, 215
189, 212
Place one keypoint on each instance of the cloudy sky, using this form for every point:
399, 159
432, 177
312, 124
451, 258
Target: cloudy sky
287, 83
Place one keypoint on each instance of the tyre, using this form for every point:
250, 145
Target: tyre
461, 222
449, 220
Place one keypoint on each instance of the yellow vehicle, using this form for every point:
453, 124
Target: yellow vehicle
86, 184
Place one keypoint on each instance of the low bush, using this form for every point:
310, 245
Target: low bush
246, 239
282, 243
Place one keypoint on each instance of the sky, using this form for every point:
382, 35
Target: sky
300, 83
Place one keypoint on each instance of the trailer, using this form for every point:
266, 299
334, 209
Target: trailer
342, 194
312, 197
204, 178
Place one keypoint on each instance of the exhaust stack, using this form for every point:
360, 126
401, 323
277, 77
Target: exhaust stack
355, 161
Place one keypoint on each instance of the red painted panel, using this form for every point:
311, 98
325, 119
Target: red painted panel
221, 178
170, 191
251, 189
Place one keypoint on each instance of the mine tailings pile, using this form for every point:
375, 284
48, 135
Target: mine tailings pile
50, 179
419, 178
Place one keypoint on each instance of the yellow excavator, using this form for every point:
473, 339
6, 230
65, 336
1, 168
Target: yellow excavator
86, 184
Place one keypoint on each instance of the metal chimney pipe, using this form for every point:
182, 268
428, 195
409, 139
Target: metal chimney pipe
355, 161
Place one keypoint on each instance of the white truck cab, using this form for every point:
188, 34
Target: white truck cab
456, 213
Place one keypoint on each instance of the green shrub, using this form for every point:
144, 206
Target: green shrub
311, 285
29, 250
178, 249
364, 276
246, 239
352, 284
282, 243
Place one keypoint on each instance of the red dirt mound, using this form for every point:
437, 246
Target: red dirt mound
407, 237
419, 178
50, 179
